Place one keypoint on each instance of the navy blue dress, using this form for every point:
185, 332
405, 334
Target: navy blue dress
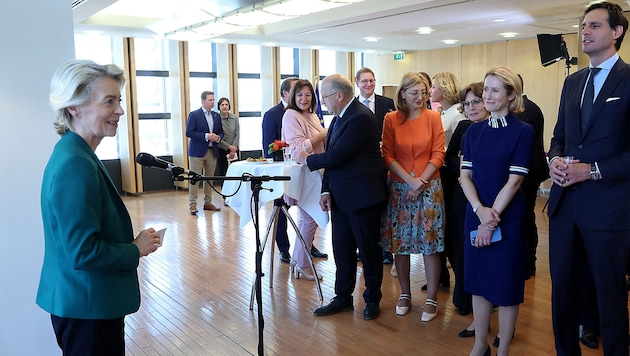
494, 150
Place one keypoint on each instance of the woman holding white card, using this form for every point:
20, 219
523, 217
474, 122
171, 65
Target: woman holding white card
495, 158
88, 281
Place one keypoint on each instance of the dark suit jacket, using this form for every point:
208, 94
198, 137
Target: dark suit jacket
382, 105
603, 204
538, 171
272, 128
353, 166
196, 129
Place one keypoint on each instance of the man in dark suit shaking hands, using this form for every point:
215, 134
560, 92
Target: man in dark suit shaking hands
589, 204
355, 192
205, 131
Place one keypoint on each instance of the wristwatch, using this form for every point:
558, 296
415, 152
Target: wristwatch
595, 175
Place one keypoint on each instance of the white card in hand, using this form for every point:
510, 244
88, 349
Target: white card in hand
161, 232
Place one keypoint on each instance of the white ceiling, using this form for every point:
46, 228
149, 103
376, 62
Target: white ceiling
393, 21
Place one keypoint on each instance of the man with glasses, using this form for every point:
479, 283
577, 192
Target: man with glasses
352, 166
380, 105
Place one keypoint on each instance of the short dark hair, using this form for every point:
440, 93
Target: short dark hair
475, 88
222, 100
615, 18
286, 85
302, 83
205, 94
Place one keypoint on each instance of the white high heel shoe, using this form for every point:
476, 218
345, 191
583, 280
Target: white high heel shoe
426, 317
403, 310
299, 272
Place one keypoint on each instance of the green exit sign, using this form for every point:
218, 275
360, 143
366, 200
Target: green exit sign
399, 56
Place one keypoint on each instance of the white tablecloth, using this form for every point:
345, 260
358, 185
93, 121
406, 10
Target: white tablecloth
304, 186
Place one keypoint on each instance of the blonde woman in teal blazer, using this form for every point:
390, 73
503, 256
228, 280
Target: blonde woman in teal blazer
89, 280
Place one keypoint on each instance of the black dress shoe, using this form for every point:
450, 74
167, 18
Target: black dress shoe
371, 311
445, 284
334, 307
317, 253
466, 333
285, 257
497, 341
589, 339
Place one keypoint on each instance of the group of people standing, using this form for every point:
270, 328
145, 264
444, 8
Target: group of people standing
89, 280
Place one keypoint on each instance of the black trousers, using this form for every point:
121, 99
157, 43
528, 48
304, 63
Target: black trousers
90, 337
359, 229
570, 244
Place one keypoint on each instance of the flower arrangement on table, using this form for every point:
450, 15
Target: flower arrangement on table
276, 146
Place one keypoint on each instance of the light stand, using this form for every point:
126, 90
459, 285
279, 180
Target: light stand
256, 184
568, 60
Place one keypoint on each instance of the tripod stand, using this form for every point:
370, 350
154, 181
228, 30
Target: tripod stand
256, 186
273, 221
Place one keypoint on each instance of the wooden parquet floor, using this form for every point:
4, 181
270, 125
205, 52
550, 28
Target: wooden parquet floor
196, 292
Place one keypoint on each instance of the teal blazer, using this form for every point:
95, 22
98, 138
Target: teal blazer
89, 269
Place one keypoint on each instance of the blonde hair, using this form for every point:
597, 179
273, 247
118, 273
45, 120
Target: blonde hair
72, 85
409, 80
449, 85
512, 84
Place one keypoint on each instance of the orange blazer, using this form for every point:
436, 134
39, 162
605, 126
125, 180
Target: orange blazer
413, 143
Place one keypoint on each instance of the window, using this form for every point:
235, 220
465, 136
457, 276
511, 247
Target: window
201, 62
153, 92
249, 96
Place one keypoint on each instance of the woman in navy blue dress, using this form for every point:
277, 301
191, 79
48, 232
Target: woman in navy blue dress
496, 155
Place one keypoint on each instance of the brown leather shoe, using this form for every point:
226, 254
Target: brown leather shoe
193, 210
210, 207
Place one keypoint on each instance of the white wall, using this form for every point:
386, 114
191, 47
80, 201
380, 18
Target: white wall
36, 36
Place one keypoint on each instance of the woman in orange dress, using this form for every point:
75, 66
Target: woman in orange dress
413, 151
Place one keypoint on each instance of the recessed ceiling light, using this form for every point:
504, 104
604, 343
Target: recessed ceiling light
508, 34
575, 26
424, 30
371, 39
449, 42
499, 20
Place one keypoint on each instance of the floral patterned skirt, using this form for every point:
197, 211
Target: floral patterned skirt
414, 226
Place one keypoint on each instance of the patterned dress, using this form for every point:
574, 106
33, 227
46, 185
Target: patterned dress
493, 151
413, 226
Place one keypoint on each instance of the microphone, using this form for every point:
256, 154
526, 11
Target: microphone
149, 160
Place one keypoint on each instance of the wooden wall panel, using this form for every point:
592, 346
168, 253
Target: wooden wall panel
478, 59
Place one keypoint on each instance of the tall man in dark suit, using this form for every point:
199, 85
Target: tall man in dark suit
205, 131
355, 192
589, 204
380, 105
538, 173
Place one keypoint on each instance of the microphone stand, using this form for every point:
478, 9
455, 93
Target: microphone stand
256, 185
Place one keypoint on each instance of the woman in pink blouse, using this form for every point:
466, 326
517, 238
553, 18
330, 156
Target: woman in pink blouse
302, 130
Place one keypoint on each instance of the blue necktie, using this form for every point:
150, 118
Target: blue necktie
587, 101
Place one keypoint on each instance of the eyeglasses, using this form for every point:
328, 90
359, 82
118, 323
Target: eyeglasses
329, 95
415, 93
474, 102
367, 81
